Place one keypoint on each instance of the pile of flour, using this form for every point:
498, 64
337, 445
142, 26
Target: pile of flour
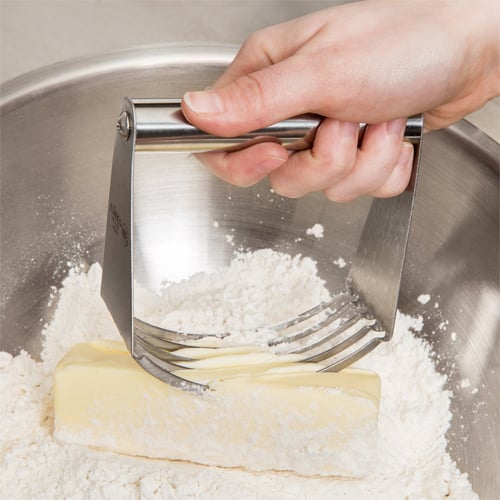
414, 413
261, 288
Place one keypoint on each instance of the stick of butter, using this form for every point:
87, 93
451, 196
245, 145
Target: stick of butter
282, 417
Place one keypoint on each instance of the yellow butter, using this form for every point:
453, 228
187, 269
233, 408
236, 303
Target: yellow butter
282, 416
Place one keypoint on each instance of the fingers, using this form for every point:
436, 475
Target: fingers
381, 167
376, 159
246, 167
400, 177
331, 158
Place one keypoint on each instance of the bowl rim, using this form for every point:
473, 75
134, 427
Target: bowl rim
25, 87
18, 91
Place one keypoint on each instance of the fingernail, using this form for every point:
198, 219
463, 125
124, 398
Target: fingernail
396, 127
268, 164
348, 130
204, 102
405, 155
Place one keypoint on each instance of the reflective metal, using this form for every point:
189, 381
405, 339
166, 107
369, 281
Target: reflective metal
377, 265
57, 135
159, 125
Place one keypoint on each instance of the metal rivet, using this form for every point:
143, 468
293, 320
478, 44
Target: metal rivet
123, 125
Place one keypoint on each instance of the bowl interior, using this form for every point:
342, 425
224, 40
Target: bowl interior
56, 149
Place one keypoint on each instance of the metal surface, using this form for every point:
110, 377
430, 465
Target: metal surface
377, 265
322, 334
159, 125
56, 154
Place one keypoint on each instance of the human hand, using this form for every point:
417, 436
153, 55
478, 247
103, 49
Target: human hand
375, 61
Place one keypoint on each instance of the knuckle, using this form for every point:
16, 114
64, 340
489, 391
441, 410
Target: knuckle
259, 43
239, 177
337, 195
339, 168
333, 154
371, 185
283, 187
250, 93
393, 186
254, 41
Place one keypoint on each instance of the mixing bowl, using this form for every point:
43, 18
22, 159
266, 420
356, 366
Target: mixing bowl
58, 127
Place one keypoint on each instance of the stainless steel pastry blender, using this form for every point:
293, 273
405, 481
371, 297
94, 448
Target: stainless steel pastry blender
337, 332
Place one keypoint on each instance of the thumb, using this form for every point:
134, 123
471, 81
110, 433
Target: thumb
252, 101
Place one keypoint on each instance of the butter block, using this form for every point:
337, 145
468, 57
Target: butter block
260, 413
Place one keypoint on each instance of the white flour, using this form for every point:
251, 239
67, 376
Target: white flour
317, 231
414, 412
263, 288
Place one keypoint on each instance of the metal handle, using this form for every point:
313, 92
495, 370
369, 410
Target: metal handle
160, 125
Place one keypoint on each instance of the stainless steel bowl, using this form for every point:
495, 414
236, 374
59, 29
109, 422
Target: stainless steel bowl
57, 138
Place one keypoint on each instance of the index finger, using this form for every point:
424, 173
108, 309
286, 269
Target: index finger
269, 46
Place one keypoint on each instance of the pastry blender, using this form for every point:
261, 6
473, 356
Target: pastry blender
335, 333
